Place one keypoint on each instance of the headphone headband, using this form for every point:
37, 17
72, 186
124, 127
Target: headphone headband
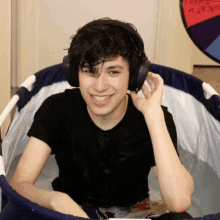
135, 34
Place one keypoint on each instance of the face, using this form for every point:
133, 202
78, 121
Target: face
111, 80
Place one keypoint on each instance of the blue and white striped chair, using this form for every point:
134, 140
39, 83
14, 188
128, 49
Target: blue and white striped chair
197, 120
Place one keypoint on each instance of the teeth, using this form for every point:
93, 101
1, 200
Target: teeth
101, 98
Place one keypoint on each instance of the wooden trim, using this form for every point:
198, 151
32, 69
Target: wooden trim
14, 43
27, 38
158, 30
5, 60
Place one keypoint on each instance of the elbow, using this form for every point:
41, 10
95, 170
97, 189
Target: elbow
15, 186
179, 207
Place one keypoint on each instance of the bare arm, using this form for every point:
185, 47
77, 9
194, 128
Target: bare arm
28, 170
176, 183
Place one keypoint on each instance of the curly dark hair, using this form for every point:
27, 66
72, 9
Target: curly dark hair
97, 43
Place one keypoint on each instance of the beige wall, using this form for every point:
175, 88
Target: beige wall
45, 27
28, 38
174, 48
200, 58
5, 58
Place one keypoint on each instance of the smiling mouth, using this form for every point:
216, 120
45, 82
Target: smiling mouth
101, 98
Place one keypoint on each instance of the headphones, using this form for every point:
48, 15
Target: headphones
135, 82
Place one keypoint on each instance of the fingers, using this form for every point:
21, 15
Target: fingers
152, 80
146, 91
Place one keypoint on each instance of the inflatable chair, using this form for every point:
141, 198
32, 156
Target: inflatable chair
195, 107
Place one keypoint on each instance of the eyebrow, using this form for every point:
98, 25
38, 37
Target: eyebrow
109, 67
113, 67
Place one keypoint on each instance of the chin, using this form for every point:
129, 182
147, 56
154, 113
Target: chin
100, 111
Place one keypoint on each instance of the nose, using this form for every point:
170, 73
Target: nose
101, 82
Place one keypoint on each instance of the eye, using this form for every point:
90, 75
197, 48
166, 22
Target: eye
114, 72
85, 71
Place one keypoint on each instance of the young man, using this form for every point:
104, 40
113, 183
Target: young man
105, 140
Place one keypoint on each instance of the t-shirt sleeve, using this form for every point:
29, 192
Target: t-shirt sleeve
171, 129
46, 123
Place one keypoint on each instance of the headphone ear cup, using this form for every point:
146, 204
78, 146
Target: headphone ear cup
136, 81
133, 81
142, 75
70, 72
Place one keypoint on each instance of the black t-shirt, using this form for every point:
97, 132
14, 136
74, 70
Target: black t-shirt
103, 168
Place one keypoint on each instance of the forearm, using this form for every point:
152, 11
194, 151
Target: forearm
34, 194
176, 183
53, 200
